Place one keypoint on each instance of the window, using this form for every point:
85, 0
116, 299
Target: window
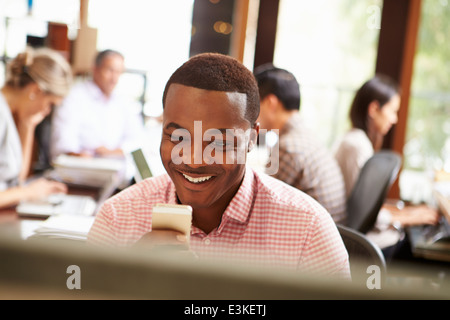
331, 47
19, 22
154, 36
427, 147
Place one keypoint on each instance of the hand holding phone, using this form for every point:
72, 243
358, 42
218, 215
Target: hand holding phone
172, 217
171, 226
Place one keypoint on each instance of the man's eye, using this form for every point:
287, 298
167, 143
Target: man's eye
219, 143
177, 138
222, 144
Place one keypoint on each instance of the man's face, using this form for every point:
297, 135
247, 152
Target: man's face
107, 75
200, 146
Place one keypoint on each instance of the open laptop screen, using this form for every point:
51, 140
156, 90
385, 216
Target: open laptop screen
143, 169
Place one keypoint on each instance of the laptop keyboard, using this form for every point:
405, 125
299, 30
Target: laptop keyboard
440, 231
59, 204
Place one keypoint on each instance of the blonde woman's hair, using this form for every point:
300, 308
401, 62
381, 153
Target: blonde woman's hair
45, 67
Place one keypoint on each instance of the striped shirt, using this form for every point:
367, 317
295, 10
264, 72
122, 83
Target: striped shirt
306, 164
267, 222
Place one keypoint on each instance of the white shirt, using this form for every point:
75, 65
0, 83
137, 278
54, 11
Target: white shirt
353, 151
88, 119
10, 148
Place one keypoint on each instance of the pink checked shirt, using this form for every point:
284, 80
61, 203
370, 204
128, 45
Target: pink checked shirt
267, 222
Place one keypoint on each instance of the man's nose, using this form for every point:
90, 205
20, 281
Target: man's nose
197, 154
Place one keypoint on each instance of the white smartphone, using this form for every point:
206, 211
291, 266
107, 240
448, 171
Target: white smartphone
173, 217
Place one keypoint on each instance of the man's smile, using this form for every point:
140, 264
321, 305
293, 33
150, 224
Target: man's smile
196, 180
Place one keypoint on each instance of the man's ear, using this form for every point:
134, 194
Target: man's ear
254, 132
273, 102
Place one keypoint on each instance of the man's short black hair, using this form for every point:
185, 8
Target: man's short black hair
218, 72
281, 83
106, 53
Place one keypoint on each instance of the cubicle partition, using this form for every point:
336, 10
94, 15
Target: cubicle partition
50, 269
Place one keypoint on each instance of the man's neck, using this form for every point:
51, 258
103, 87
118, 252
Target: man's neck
209, 218
284, 118
106, 95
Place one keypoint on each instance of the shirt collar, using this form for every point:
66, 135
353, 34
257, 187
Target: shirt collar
171, 193
97, 92
4, 103
241, 204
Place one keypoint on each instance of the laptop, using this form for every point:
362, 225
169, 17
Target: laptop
143, 170
69, 204
433, 241
57, 204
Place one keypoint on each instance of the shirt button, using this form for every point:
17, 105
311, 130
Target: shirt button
207, 241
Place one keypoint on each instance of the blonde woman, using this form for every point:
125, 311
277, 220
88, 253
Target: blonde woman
36, 80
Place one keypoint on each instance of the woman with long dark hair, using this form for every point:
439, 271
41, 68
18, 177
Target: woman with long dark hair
372, 114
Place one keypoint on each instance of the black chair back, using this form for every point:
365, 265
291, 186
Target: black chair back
364, 256
370, 190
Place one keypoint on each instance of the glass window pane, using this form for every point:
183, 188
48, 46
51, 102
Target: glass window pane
331, 47
427, 146
152, 35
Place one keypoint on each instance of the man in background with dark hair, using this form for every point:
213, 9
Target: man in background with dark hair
94, 120
304, 162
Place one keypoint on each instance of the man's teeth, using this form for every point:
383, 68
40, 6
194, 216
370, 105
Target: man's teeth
196, 180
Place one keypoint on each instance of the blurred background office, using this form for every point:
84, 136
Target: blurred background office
330, 46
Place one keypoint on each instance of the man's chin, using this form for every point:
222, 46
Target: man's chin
194, 203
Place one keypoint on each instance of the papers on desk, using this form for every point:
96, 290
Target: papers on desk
64, 227
104, 164
92, 172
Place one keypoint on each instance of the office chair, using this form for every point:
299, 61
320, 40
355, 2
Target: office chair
42, 137
370, 190
362, 254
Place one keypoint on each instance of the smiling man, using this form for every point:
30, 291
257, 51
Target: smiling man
211, 104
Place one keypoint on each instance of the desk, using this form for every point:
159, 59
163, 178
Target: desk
21, 227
